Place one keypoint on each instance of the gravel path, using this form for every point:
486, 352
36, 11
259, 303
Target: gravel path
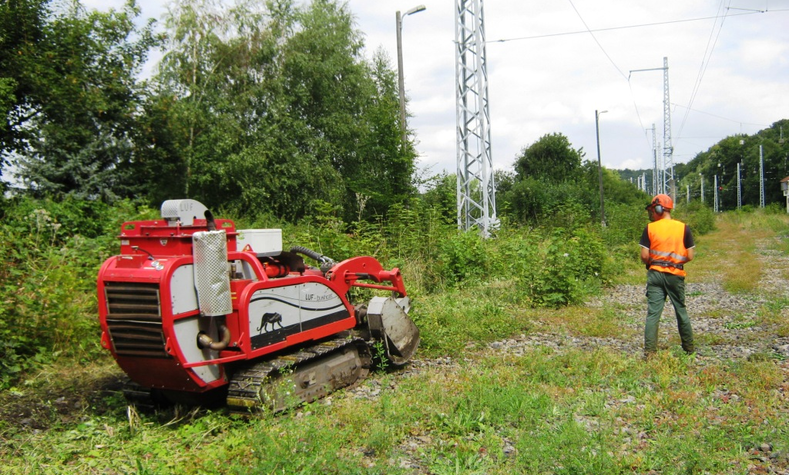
732, 324
726, 326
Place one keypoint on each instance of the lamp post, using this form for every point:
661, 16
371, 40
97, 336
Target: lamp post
400, 81
599, 164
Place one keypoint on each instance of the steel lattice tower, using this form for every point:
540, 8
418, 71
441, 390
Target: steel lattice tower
665, 171
476, 195
668, 148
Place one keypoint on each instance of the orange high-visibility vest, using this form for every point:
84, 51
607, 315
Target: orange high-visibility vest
667, 246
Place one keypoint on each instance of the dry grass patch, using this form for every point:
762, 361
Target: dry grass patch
727, 254
605, 322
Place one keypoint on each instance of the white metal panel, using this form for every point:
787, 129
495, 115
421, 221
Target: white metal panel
186, 331
283, 301
263, 242
182, 290
318, 300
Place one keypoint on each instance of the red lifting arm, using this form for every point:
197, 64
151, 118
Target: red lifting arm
349, 272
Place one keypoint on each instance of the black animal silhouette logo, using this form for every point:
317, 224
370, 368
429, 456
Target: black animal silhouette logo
270, 318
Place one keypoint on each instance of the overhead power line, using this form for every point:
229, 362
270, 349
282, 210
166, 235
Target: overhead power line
591, 33
625, 27
705, 61
720, 116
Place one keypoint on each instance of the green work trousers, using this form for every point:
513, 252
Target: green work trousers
659, 286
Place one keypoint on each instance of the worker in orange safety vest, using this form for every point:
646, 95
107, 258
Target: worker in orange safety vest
666, 247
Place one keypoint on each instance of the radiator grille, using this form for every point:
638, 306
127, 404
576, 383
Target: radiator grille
134, 319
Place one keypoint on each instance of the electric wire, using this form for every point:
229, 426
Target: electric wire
720, 117
705, 61
626, 27
591, 33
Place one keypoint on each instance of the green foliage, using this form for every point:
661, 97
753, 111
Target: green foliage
449, 321
563, 204
441, 196
624, 224
267, 104
699, 217
75, 98
750, 152
274, 105
462, 257
411, 238
567, 261
549, 159
552, 188
52, 251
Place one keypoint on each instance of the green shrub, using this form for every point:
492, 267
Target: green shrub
568, 262
52, 251
624, 224
699, 217
775, 207
463, 257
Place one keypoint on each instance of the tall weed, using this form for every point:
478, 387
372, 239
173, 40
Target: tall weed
624, 224
566, 264
463, 257
52, 252
698, 216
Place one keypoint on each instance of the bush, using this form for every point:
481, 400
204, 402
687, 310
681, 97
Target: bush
624, 224
463, 257
698, 216
566, 264
49, 279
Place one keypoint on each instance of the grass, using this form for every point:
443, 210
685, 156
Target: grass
775, 313
540, 410
728, 253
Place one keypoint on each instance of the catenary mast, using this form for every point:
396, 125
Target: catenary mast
476, 197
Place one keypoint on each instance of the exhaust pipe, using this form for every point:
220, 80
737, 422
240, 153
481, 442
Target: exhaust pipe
204, 341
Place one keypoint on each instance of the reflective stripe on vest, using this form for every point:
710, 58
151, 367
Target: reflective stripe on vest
667, 246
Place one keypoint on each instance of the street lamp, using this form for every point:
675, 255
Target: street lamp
599, 164
400, 81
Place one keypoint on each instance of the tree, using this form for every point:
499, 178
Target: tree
349, 108
441, 195
551, 158
201, 82
548, 180
274, 109
76, 97
720, 161
380, 168
22, 30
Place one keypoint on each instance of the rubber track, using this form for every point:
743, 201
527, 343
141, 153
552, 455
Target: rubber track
247, 381
137, 395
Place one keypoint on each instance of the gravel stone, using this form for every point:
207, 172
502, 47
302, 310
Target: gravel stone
733, 320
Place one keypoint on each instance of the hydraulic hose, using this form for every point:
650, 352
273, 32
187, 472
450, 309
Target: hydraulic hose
326, 263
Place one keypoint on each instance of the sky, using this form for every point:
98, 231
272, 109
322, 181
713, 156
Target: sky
551, 65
